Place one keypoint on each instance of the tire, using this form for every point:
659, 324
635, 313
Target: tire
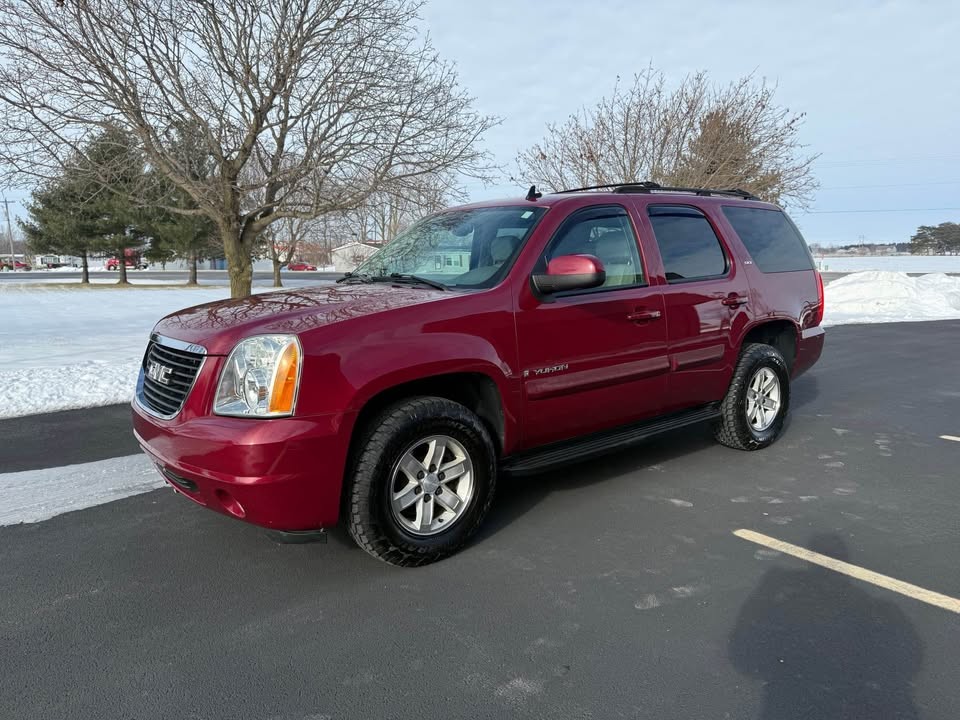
734, 429
376, 480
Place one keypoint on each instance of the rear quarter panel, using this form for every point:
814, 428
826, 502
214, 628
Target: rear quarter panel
776, 295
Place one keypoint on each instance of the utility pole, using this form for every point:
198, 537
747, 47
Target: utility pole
6, 210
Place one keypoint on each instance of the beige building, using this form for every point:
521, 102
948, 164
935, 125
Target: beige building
347, 257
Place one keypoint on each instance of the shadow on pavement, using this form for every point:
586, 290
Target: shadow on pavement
804, 390
517, 495
824, 647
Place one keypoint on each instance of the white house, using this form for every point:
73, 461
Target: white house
347, 257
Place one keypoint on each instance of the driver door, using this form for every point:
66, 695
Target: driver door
592, 359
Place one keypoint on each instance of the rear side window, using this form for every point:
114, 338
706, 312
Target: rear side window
771, 239
688, 245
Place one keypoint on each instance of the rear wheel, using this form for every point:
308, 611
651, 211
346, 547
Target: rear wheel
422, 482
755, 406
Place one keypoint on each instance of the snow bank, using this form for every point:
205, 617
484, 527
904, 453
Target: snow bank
877, 296
62, 349
35, 495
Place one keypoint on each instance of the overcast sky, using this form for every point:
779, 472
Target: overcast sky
879, 82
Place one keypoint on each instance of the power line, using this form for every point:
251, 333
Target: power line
886, 161
882, 210
891, 185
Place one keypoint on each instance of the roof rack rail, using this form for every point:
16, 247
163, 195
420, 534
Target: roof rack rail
652, 187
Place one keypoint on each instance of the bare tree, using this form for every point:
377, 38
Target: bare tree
386, 213
303, 107
284, 240
695, 135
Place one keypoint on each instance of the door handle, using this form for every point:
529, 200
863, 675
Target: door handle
733, 300
644, 315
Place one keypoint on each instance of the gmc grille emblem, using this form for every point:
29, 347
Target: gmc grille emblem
159, 373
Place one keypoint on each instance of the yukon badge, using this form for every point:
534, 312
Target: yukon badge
546, 370
159, 373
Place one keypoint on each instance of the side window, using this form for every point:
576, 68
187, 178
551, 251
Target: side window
606, 233
771, 239
688, 245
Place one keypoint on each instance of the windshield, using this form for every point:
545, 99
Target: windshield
459, 248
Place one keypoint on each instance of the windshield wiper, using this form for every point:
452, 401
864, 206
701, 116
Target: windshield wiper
409, 278
355, 277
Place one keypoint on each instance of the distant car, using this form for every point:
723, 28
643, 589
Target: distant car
131, 263
301, 266
17, 265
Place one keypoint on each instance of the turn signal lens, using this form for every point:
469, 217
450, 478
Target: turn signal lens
284, 390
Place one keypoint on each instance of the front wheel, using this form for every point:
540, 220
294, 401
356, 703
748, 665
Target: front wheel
422, 481
755, 407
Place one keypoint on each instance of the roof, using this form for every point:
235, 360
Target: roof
677, 195
355, 244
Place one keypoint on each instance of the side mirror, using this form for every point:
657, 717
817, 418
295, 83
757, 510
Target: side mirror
570, 272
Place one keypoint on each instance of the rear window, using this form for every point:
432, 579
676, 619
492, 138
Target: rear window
771, 239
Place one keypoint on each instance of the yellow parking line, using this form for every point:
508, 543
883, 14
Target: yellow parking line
917, 593
950, 437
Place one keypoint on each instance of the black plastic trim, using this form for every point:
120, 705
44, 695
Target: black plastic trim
531, 461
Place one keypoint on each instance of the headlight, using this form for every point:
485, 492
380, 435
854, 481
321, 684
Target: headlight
260, 378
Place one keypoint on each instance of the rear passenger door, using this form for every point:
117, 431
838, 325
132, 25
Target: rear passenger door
705, 295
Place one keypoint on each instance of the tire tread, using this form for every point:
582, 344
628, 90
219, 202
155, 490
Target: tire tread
730, 430
366, 472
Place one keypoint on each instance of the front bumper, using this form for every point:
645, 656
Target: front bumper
281, 473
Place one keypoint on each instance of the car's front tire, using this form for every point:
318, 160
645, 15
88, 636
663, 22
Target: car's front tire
421, 483
755, 407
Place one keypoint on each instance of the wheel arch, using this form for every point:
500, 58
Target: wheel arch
781, 333
475, 390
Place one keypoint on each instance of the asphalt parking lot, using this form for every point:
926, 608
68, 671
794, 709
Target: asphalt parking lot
610, 589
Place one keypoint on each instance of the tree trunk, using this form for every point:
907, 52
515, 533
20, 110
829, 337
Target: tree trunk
239, 264
85, 269
122, 267
276, 273
192, 266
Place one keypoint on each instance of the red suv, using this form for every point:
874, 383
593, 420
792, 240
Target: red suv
500, 337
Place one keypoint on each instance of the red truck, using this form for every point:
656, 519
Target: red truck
490, 339
132, 259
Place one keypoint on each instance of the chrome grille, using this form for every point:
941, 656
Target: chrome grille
168, 374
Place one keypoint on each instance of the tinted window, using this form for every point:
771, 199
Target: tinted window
771, 239
606, 233
471, 248
689, 247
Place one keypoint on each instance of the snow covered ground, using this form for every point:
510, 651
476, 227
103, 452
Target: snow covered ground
72, 348
62, 349
36, 495
877, 296
896, 263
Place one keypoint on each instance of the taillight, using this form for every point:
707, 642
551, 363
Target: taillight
818, 311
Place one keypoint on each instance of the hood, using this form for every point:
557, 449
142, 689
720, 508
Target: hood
218, 326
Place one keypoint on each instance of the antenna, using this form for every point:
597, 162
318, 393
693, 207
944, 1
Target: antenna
532, 194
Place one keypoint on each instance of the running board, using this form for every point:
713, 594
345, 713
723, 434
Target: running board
537, 459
